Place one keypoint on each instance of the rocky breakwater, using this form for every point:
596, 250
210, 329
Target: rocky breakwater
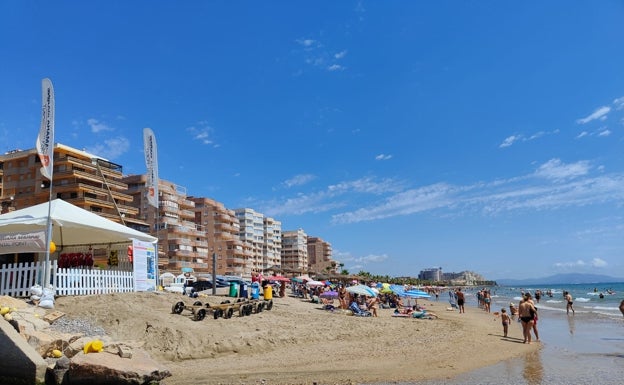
76, 351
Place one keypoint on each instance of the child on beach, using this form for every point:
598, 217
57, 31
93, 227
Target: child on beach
506, 321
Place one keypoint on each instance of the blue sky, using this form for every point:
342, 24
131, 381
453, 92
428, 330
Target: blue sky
467, 135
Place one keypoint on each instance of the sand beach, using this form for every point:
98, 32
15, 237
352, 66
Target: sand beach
298, 342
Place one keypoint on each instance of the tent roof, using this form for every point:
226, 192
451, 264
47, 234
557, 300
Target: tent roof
71, 225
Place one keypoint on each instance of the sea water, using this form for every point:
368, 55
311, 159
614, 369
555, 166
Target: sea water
586, 297
586, 347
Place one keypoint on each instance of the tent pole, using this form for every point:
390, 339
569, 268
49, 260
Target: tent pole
46, 269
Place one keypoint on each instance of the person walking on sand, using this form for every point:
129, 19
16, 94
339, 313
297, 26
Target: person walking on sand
622, 307
460, 300
568, 297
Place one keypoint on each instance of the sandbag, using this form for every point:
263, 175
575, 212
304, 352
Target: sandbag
47, 299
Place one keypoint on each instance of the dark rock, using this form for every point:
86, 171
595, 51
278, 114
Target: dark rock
59, 372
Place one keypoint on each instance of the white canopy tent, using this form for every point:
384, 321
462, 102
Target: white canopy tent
71, 226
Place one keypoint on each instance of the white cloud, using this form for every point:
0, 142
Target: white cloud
307, 42
328, 199
404, 203
597, 262
383, 157
619, 103
604, 133
365, 185
577, 263
509, 141
555, 169
110, 148
335, 67
342, 54
582, 134
371, 258
202, 133
600, 113
97, 126
299, 180
552, 186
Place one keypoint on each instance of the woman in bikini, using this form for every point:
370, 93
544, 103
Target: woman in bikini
526, 312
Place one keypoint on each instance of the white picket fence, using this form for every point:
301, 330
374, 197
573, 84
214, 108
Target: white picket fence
16, 279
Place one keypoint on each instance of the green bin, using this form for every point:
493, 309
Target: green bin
233, 291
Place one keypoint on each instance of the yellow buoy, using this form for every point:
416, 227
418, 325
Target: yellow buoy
56, 353
97, 346
52, 247
4, 310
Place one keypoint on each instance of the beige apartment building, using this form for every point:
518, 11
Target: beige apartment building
82, 179
320, 256
182, 242
295, 250
222, 229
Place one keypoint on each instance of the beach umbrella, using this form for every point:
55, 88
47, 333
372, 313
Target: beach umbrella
361, 290
278, 278
384, 288
401, 292
315, 283
397, 289
416, 294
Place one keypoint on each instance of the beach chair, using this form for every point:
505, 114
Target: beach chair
359, 312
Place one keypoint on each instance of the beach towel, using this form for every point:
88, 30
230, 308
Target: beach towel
359, 312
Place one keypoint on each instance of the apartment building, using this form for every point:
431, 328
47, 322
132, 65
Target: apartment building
222, 229
295, 250
320, 256
252, 235
182, 242
272, 249
82, 179
432, 274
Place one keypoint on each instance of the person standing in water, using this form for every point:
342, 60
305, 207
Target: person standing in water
568, 297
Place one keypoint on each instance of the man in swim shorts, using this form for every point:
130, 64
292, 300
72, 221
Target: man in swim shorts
568, 297
460, 300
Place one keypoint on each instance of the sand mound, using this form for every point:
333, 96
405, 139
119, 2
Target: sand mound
297, 341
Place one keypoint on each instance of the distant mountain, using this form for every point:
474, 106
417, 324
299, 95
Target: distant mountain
560, 279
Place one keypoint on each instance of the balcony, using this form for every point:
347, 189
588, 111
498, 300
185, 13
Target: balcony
236, 261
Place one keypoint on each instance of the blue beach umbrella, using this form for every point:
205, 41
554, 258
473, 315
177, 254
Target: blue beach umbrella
361, 290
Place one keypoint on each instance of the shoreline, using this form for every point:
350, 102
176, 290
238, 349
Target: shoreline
299, 343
